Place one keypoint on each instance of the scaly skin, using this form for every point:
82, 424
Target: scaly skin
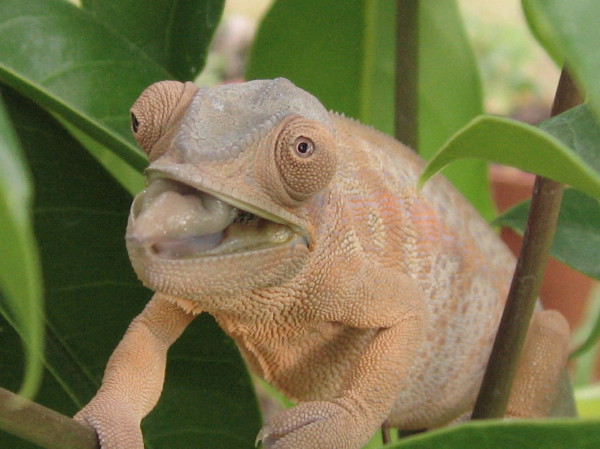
353, 293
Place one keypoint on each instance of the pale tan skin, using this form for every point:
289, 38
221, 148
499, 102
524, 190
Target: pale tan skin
353, 293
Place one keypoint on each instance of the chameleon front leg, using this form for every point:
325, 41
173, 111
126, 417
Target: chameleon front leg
348, 421
134, 375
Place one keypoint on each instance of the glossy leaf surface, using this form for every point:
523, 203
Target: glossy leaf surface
509, 142
90, 68
577, 238
174, 34
345, 60
449, 95
21, 299
569, 30
549, 434
578, 129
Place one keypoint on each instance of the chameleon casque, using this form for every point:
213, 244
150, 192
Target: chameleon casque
303, 233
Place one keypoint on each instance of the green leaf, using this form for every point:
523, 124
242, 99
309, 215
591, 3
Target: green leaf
89, 71
547, 434
569, 30
578, 129
543, 31
64, 59
130, 178
509, 142
585, 339
20, 274
577, 238
92, 294
353, 70
450, 95
174, 34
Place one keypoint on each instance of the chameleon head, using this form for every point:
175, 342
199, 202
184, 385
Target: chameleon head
237, 177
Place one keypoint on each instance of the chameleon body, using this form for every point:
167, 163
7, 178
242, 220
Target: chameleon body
303, 233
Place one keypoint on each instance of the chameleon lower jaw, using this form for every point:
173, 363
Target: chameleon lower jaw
199, 277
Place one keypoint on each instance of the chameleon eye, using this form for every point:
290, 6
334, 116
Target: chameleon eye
305, 164
304, 146
135, 124
156, 111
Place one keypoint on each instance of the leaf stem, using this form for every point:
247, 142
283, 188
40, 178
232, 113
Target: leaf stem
407, 68
537, 240
42, 426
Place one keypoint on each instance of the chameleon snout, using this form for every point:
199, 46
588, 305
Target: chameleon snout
174, 221
178, 221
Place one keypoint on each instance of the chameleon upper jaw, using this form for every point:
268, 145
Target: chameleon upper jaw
172, 220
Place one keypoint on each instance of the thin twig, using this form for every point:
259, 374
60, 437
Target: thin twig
407, 66
541, 224
42, 426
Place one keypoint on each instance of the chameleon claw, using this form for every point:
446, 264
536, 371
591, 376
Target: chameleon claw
264, 433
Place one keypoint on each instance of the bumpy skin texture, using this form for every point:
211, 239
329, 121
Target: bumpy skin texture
303, 234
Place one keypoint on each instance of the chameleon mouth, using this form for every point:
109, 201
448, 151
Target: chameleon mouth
173, 220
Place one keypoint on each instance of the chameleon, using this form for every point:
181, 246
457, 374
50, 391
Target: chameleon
302, 232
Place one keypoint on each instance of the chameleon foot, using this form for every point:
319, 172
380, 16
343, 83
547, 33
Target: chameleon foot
116, 425
315, 425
